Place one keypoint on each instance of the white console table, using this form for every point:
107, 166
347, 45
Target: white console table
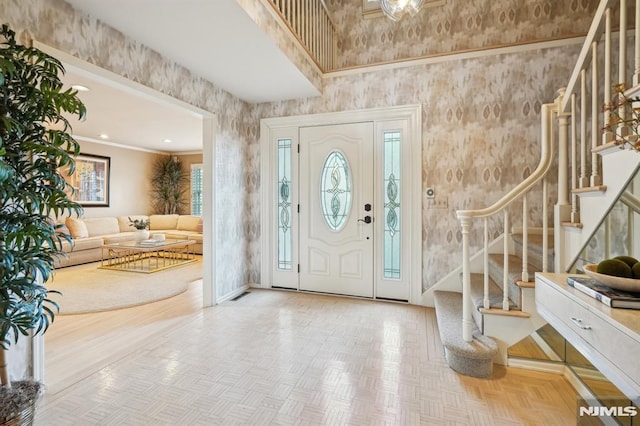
609, 338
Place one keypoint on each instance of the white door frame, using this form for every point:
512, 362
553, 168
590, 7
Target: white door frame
272, 126
209, 129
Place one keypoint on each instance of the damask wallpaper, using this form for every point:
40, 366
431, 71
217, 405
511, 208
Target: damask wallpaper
57, 24
481, 118
456, 26
481, 125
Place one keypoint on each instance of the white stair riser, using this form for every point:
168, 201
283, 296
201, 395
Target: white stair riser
508, 330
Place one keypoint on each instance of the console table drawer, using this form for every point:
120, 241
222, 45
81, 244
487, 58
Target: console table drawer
591, 327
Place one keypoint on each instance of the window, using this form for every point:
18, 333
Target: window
284, 204
196, 189
392, 204
335, 190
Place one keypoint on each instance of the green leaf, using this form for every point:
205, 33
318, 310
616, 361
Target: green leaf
32, 187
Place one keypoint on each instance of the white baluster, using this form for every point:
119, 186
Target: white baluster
545, 225
563, 164
467, 318
486, 303
608, 135
525, 239
575, 215
622, 60
584, 178
505, 274
607, 237
596, 178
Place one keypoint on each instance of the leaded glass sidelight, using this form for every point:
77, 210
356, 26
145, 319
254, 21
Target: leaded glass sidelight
392, 173
284, 204
335, 190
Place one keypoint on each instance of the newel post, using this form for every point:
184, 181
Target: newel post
563, 157
467, 318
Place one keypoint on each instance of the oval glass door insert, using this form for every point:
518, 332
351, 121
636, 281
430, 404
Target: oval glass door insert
335, 190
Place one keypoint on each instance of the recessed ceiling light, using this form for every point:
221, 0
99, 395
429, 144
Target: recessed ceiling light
104, 136
167, 141
80, 88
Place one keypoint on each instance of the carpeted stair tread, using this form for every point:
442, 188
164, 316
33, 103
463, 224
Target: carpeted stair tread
473, 358
515, 265
495, 293
534, 244
535, 241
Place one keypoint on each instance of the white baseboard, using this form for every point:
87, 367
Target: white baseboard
545, 347
232, 294
537, 365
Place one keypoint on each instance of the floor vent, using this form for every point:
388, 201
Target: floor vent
240, 295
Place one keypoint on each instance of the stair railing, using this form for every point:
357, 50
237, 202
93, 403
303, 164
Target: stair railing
310, 22
520, 192
580, 118
588, 92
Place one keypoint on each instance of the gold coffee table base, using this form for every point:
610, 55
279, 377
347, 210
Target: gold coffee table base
134, 257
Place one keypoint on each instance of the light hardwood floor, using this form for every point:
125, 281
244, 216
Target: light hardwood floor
278, 357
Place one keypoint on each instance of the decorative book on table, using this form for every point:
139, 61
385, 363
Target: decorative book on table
151, 242
607, 295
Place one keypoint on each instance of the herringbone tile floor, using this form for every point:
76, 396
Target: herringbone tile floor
284, 358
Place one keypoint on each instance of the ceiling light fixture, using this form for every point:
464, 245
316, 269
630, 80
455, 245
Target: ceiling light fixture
396, 9
104, 136
167, 141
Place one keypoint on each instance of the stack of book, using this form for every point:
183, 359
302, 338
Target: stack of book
151, 243
607, 295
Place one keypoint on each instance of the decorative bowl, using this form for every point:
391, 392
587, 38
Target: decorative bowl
619, 283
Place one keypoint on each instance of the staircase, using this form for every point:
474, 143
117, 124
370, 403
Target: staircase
488, 304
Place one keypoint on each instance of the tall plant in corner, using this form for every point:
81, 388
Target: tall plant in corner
35, 142
169, 186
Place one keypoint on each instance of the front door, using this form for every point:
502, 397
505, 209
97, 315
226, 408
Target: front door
336, 215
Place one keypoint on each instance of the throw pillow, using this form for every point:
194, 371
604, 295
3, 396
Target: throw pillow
77, 228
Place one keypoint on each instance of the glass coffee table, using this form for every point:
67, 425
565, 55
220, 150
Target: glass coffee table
147, 256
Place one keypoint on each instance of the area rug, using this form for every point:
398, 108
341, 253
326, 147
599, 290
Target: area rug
86, 288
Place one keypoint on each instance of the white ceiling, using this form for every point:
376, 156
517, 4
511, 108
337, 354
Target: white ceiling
215, 39
131, 118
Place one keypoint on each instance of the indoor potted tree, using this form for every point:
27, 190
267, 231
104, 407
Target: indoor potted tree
35, 142
169, 185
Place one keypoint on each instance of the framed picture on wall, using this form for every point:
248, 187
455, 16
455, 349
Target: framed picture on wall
90, 181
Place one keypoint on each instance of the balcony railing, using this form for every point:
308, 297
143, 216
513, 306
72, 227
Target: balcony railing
309, 20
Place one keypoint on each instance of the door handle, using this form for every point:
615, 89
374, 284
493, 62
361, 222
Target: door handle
367, 219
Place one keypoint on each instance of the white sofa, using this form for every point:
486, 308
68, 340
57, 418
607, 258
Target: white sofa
89, 234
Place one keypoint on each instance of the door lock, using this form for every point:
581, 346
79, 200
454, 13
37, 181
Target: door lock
367, 207
367, 219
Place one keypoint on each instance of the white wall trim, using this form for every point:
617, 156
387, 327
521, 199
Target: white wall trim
233, 293
120, 145
209, 125
450, 57
550, 367
109, 78
209, 287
